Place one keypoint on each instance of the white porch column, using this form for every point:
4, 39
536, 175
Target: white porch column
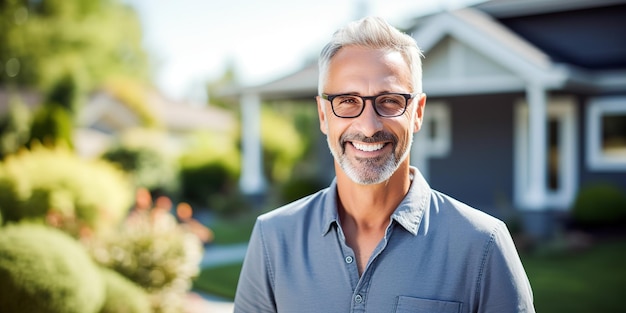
252, 180
537, 144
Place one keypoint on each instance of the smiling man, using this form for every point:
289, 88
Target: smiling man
378, 239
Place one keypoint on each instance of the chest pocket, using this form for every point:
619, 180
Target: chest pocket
416, 305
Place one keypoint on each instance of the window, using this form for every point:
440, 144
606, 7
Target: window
606, 134
438, 131
435, 137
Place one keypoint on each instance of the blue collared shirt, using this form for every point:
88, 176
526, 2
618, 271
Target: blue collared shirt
437, 255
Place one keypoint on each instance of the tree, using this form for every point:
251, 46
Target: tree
54, 121
65, 49
45, 41
52, 125
14, 127
224, 82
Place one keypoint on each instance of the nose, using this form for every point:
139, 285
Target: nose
368, 123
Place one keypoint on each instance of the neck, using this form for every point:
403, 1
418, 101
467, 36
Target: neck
370, 206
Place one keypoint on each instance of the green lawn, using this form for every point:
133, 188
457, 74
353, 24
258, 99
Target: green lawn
233, 230
219, 281
590, 281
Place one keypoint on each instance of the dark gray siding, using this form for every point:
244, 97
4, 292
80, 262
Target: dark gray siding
479, 169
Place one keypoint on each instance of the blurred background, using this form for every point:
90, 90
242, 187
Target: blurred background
139, 140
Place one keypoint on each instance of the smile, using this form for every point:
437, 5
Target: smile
368, 147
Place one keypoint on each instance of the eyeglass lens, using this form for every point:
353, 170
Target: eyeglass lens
388, 105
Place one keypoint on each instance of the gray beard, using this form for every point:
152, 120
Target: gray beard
370, 171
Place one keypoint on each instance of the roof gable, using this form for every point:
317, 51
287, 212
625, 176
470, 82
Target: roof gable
483, 41
452, 67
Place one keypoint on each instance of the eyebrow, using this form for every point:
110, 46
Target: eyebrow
356, 93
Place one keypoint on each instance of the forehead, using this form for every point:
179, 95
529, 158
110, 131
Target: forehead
365, 70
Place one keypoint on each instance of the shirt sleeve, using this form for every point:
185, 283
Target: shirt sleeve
504, 286
255, 286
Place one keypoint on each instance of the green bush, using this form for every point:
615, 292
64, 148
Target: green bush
122, 295
299, 187
201, 181
81, 194
283, 146
44, 270
148, 167
156, 253
598, 205
230, 204
210, 166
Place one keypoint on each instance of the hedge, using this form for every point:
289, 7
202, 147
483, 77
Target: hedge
44, 270
43, 181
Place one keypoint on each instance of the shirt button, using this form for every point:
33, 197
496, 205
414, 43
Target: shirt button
349, 259
358, 299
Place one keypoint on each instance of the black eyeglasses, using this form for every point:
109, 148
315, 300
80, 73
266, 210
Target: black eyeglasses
389, 104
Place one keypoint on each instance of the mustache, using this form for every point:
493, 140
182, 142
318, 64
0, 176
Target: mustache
376, 137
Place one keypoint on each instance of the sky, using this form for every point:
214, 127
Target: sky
191, 42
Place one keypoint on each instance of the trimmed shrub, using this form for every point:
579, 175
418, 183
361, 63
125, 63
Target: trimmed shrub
80, 194
156, 253
599, 205
200, 181
44, 270
122, 295
210, 165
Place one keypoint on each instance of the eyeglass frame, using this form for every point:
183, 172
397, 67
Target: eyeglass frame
407, 97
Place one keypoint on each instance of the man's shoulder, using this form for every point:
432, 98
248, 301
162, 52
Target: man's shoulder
463, 216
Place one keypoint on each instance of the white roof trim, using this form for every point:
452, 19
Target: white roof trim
479, 31
604, 81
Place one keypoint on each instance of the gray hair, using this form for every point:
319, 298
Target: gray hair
375, 33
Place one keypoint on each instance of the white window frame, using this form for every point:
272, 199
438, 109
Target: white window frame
425, 146
597, 108
563, 109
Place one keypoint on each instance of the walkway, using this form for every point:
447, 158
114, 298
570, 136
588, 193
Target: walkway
215, 255
197, 303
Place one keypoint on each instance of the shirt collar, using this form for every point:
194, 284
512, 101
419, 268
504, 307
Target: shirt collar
329, 208
411, 210
408, 214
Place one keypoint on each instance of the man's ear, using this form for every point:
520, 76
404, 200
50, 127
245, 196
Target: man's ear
419, 114
321, 112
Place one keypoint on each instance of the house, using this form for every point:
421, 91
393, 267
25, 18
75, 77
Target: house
526, 104
104, 118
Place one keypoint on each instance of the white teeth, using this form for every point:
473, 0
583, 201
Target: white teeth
368, 147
